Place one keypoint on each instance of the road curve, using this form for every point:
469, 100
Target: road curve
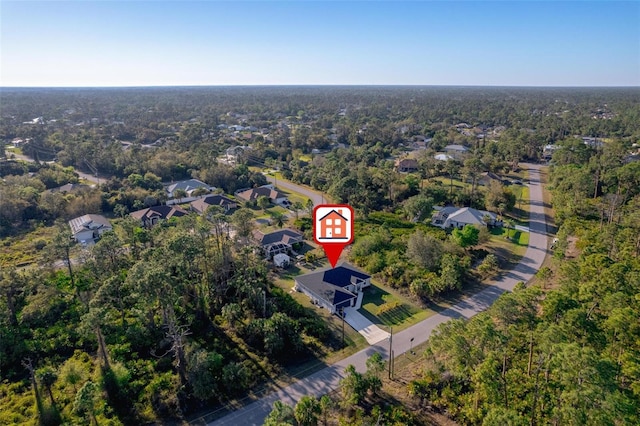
327, 379
85, 176
315, 196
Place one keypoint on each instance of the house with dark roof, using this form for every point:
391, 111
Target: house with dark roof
152, 215
455, 217
280, 241
335, 288
201, 205
253, 194
88, 228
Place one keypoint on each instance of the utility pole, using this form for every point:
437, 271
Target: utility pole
390, 351
342, 315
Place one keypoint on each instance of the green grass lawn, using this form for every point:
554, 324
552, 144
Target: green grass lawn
404, 312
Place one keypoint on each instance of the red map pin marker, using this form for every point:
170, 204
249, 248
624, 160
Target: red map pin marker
333, 229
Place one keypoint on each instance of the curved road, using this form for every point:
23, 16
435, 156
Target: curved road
315, 196
327, 379
82, 175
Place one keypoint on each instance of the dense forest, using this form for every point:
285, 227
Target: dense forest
152, 324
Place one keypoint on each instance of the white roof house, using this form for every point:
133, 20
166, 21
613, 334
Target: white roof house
88, 228
455, 217
443, 157
188, 186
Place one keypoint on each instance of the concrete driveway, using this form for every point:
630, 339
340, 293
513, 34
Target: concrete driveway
362, 325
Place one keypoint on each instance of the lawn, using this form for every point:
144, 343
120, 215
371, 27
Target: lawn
385, 307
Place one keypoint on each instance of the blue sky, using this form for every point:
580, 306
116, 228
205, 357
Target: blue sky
150, 43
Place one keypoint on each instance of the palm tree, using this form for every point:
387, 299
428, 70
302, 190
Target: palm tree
179, 194
279, 219
297, 206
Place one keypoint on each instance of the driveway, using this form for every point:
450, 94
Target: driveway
364, 326
328, 379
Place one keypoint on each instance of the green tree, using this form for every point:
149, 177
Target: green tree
263, 202
85, 402
424, 250
242, 219
307, 411
353, 386
418, 208
179, 194
281, 414
465, 237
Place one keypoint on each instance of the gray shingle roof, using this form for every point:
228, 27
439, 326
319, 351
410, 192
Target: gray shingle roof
283, 235
202, 204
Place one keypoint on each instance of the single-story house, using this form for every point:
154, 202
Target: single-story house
406, 165
201, 205
488, 177
334, 288
280, 241
188, 186
253, 194
443, 157
88, 228
70, 187
456, 151
455, 217
152, 215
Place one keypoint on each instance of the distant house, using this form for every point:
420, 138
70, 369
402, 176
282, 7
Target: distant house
88, 228
456, 151
548, 151
234, 152
253, 194
201, 205
333, 225
188, 186
335, 288
70, 187
487, 177
280, 241
443, 157
406, 165
454, 217
152, 215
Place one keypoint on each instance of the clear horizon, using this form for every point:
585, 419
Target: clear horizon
96, 44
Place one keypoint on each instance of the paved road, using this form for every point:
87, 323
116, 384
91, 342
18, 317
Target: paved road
327, 379
90, 178
315, 196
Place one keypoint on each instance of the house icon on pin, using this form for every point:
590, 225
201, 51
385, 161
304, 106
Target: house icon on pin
333, 226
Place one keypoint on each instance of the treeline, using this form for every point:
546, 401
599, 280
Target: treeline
152, 324
567, 350
173, 131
